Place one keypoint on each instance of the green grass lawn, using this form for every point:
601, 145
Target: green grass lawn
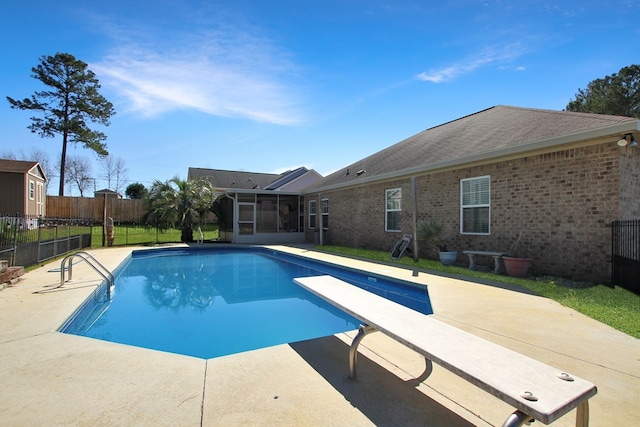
615, 307
142, 235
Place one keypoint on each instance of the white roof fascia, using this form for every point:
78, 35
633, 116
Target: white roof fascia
227, 191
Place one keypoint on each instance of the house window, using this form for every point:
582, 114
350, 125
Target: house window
393, 211
475, 205
324, 210
32, 190
312, 214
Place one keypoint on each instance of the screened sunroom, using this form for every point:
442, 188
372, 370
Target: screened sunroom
261, 216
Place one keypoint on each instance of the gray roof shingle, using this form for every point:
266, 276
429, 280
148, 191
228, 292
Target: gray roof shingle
488, 130
21, 166
227, 179
18, 166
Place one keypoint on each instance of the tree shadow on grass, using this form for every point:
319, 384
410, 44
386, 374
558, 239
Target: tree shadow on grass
380, 395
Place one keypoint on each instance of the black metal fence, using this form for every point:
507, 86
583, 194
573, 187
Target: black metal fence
625, 254
28, 240
141, 234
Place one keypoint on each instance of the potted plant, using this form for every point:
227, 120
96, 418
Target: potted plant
515, 263
432, 234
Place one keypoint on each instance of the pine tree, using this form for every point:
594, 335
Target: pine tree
72, 100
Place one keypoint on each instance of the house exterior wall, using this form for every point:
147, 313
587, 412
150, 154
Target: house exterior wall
31, 203
356, 216
36, 205
561, 202
13, 196
629, 183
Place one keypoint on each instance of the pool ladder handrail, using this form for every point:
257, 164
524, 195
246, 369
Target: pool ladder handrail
94, 263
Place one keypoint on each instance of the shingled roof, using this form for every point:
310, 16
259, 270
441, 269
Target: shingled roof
227, 179
491, 130
286, 178
20, 166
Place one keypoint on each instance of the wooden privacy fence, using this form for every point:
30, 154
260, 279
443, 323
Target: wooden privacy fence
121, 210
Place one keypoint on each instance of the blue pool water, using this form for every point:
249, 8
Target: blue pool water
214, 302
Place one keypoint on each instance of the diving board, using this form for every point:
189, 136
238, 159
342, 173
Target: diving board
536, 390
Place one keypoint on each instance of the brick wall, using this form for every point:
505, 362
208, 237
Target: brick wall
630, 183
562, 203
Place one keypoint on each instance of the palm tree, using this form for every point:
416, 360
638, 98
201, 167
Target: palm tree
180, 202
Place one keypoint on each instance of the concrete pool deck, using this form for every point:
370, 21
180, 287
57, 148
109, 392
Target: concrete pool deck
50, 378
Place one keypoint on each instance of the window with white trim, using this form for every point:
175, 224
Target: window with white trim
475, 205
324, 210
32, 190
393, 209
312, 214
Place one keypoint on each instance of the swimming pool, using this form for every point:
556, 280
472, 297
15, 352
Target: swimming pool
214, 302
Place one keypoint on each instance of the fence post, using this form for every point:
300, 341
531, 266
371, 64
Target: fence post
615, 228
104, 218
15, 241
55, 238
39, 237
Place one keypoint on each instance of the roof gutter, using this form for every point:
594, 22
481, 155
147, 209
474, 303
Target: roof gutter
633, 125
228, 191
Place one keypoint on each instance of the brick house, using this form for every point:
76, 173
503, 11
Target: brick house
555, 178
23, 188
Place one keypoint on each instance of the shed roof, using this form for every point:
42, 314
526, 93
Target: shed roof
20, 166
482, 133
107, 192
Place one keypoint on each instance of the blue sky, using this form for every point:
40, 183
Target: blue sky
269, 86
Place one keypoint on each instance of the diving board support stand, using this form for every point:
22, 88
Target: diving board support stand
363, 331
535, 390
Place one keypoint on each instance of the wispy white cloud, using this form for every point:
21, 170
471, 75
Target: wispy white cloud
486, 58
223, 72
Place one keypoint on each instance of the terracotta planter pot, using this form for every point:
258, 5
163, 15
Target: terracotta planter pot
517, 267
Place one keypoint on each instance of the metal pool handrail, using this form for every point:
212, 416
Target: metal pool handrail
94, 263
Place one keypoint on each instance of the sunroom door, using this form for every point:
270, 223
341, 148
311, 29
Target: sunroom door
246, 219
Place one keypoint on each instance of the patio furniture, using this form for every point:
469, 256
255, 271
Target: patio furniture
496, 258
401, 246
